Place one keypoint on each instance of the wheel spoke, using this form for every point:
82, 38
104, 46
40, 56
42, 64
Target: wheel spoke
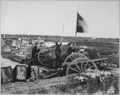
81, 65
71, 58
42, 58
74, 69
85, 66
77, 67
91, 67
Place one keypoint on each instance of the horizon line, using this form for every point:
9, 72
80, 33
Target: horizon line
60, 36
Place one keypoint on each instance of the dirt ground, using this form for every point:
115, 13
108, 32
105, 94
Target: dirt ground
63, 85
36, 87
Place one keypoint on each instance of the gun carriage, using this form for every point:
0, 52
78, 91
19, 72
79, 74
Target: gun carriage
74, 63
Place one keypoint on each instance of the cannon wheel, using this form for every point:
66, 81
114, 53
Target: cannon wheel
44, 57
80, 65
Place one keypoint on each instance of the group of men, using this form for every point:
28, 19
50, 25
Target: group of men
58, 50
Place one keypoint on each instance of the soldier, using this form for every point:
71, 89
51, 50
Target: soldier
70, 49
58, 54
95, 54
35, 50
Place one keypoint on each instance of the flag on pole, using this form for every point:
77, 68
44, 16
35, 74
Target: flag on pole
81, 25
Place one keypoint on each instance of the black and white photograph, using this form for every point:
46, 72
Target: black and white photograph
60, 47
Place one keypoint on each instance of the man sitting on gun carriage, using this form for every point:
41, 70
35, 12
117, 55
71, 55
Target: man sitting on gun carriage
71, 49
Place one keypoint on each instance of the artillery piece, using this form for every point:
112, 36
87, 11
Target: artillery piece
74, 63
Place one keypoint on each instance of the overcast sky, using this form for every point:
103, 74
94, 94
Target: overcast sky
59, 17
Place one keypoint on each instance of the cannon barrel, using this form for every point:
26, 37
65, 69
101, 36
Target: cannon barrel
99, 59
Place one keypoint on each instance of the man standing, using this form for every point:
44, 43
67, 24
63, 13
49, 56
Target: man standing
35, 50
58, 54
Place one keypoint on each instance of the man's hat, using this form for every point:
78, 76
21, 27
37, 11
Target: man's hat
58, 42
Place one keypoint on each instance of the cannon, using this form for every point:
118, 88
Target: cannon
74, 63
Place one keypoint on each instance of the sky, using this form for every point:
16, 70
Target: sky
59, 18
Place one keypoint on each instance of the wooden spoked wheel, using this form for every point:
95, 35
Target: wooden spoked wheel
72, 57
80, 65
46, 57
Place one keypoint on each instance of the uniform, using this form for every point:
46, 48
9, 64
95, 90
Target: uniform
34, 51
70, 50
58, 54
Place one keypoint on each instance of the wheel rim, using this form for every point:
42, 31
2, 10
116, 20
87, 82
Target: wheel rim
80, 65
73, 56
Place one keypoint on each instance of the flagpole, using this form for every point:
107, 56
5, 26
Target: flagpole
62, 33
62, 30
76, 32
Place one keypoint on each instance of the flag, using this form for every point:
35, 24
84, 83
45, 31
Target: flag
81, 25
